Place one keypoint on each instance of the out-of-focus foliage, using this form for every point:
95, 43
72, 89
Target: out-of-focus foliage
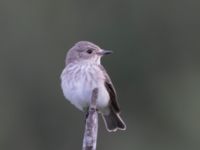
155, 68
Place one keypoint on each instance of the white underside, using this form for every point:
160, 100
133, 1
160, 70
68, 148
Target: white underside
78, 85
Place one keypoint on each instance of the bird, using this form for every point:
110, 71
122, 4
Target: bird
83, 73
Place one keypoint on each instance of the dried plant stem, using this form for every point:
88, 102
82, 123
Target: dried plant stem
91, 125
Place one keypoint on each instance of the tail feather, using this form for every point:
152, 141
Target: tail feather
113, 121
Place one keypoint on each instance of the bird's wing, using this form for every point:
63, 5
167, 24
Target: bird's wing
111, 90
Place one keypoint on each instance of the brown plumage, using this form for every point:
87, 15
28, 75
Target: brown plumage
83, 72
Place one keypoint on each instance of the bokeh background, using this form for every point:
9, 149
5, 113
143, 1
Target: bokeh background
155, 69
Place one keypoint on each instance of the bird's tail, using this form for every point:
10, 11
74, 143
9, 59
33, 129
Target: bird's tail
113, 121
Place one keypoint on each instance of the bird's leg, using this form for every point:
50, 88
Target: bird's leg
87, 113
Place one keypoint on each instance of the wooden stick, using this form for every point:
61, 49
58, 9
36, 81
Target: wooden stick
91, 125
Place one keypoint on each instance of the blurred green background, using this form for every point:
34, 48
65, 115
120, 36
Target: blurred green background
155, 69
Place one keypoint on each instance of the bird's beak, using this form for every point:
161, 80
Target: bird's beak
105, 52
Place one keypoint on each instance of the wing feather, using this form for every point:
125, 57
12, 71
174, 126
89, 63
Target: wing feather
111, 90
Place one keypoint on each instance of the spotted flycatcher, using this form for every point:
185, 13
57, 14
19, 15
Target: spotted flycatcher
83, 73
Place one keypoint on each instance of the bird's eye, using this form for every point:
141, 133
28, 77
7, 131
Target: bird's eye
89, 51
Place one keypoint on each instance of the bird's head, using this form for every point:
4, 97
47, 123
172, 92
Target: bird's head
86, 51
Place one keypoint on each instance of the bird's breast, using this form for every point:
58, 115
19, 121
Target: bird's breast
78, 82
